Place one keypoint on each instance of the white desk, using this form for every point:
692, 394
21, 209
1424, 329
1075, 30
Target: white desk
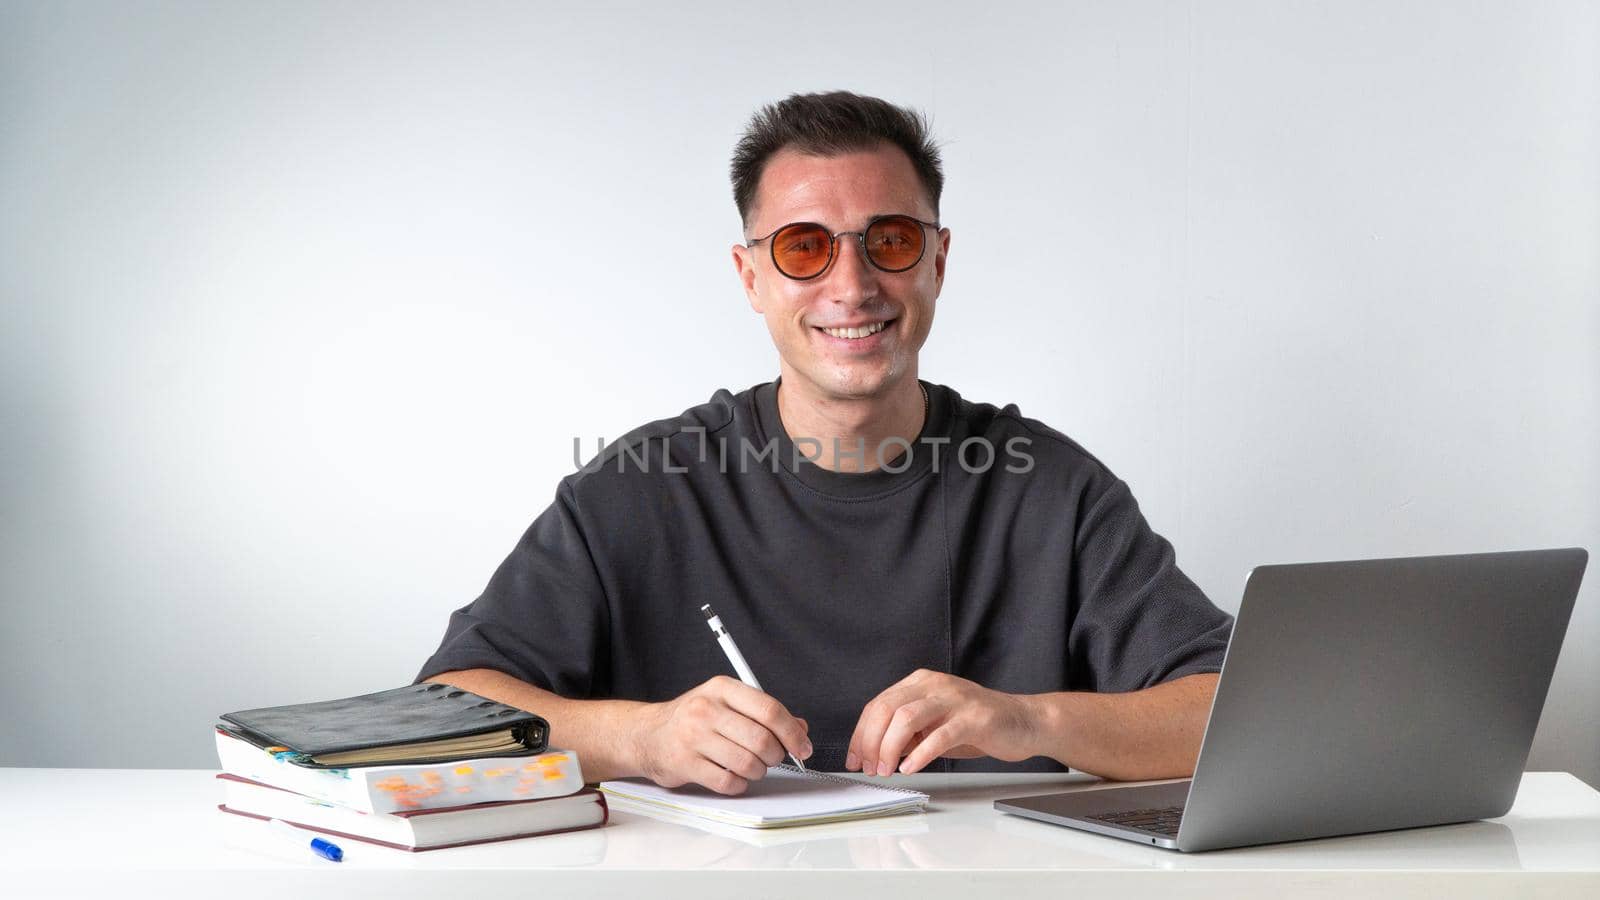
119, 833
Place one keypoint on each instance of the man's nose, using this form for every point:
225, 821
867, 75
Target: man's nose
853, 278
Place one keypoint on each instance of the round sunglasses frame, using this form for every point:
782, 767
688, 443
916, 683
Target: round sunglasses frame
833, 245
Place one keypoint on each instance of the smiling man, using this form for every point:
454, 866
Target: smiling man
918, 580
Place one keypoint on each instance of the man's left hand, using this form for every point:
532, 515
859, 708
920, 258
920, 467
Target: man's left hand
930, 714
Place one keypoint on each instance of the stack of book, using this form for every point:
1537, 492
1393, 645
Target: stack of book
418, 768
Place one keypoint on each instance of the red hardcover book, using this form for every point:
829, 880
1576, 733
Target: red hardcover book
426, 829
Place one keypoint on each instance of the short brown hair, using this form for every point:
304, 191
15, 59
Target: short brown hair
828, 125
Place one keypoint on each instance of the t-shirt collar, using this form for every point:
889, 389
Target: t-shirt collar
900, 471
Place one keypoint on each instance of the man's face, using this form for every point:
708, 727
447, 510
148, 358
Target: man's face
843, 193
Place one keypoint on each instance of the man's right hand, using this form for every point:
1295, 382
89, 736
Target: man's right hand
722, 734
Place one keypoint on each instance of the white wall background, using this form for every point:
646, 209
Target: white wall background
303, 303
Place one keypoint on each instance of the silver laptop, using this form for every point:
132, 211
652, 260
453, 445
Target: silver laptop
1358, 696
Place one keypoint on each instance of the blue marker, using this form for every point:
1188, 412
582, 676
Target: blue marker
326, 849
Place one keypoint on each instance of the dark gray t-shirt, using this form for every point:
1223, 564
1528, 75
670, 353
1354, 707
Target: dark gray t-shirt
1023, 565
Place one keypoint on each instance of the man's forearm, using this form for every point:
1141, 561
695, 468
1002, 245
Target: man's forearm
1148, 734
597, 730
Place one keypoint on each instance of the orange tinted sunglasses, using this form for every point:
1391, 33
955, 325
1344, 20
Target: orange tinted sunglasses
804, 250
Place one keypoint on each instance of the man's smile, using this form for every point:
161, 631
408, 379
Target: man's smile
857, 334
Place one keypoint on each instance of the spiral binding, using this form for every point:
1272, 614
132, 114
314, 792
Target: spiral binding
840, 779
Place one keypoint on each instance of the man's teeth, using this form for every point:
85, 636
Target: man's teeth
854, 333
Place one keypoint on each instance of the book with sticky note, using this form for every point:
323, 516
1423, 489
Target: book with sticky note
420, 829
407, 787
786, 796
418, 723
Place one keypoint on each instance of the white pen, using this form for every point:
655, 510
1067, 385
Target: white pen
734, 656
328, 850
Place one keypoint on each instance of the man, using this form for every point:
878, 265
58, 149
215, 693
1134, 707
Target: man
919, 582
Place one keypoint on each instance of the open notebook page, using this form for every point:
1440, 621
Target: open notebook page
786, 796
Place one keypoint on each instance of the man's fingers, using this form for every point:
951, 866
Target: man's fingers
868, 736
907, 721
733, 757
752, 736
705, 772
765, 710
932, 745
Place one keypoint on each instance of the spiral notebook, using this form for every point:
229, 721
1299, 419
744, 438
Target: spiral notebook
786, 796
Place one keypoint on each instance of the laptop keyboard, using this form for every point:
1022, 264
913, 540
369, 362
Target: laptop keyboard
1157, 821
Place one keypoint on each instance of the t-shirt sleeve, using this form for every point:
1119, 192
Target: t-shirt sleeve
1137, 619
542, 618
